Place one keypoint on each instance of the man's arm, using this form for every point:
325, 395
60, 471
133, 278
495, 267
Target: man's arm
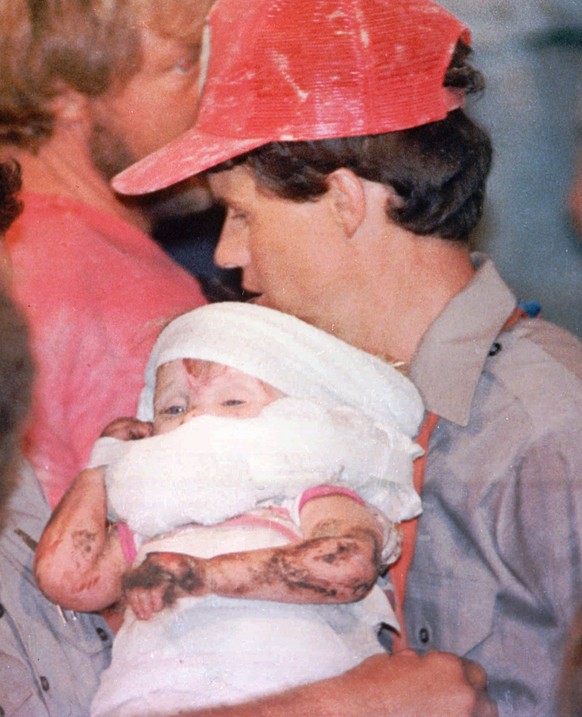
338, 562
79, 561
405, 685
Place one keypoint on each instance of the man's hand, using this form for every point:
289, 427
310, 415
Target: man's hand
477, 678
404, 685
161, 579
437, 684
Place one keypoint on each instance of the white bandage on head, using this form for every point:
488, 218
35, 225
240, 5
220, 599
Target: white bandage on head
290, 355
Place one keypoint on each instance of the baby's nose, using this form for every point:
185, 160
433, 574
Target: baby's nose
196, 410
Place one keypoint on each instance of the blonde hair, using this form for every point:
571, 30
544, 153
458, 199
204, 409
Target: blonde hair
84, 45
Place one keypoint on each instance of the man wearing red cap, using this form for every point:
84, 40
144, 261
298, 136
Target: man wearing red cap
334, 133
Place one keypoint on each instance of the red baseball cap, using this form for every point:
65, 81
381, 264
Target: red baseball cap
287, 70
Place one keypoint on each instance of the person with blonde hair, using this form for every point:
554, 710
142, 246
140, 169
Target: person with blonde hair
83, 92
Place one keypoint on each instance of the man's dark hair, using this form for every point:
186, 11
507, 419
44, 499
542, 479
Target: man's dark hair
10, 206
438, 170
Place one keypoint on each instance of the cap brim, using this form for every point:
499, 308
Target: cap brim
187, 155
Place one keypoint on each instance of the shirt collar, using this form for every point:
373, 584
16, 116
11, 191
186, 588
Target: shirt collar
452, 353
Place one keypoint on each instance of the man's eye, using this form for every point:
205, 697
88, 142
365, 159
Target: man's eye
233, 402
236, 215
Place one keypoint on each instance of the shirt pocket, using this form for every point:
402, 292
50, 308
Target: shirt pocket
449, 613
18, 694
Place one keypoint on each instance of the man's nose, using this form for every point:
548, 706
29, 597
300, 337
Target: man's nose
231, 251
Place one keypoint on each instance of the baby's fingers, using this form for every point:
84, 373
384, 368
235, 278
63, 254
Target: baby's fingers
145, 602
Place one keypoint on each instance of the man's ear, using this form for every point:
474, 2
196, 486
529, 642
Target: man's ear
348, 197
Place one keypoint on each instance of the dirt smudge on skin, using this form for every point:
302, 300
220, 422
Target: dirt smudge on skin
83, 541
149, 576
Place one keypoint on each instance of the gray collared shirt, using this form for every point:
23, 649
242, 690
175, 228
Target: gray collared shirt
497, 569
50, 660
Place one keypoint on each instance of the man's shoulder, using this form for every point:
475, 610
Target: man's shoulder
87, 254
540, 347
53, 217
560, 346
540, 365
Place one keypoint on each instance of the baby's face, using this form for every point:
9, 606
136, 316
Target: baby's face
186, 388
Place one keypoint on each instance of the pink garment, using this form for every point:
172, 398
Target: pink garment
96, 292
322, 490
251, 519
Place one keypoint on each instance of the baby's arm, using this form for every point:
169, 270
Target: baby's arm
79, 561
337, 562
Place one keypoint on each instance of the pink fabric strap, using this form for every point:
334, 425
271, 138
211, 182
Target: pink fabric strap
127, 541
323, 490
253, 520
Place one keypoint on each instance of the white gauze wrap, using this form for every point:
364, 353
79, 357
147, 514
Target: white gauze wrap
349, 420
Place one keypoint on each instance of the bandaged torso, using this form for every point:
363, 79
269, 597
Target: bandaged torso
218, 485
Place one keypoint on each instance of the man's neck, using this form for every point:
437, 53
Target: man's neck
63, 166
395, 308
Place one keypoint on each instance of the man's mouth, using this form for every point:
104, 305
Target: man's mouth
256, 299
251, 294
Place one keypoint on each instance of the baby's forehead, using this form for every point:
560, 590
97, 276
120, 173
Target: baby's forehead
201, 372
199, 369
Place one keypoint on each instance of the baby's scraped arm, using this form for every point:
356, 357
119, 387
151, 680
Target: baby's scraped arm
79, 560
337, 562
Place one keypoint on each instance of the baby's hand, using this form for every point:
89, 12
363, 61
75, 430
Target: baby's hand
161, 579
128, 429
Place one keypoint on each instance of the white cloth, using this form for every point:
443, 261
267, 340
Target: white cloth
209, 651
348, 420
291, 355
212, 468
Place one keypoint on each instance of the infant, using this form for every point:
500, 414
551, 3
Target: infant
258, 510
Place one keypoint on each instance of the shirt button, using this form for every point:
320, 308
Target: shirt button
44, 683
423, 635
495, 349
103, 636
